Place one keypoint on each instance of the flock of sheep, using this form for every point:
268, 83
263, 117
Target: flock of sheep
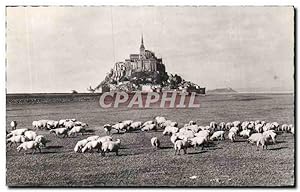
190, 135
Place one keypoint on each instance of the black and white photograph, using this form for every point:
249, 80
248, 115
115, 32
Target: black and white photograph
150, 96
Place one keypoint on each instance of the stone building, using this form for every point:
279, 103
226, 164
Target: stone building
145, 61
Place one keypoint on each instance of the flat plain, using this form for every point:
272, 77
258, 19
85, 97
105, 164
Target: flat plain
222, 163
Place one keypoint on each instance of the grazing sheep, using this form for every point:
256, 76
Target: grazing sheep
284, 127
244, 125
41, 140
149, 127
169, 123
36, 125
160, 120
148, 123
185, 134
127, 122
236, 124
92, 145
245, 133
155, 142
104, 139
60, 131
75, 130
69, 124
134, 126
107, 128
259, 128
222, 126
17, 132
170, 130
181, 145
270, 134
274, 126
234, 129
16, 139
213, 125
192, 123
228, 125
198, 141
93, 138
42, 123
174, 138
218, 135
80, 144
30, 135
231, 136
29, 145
291, 128
52, 124
194, 128
13, 125
255, 137
204, 133
119, 127
111, 146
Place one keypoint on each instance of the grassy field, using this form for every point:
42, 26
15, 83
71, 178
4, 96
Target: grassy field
221, 164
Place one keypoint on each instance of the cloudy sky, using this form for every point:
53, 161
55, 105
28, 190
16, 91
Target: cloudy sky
57, 49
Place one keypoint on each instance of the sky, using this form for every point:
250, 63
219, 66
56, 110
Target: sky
58, 49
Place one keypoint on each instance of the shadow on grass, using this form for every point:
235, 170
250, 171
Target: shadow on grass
54, 147
89, 131
196, 152
280, 142
166, 147
240, 141
276, 148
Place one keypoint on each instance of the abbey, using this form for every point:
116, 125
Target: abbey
145, 61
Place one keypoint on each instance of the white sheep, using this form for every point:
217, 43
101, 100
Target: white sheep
149, 127
127, 122
204, 133
168, 123
16, 139
155, 142
30, 135
13, 125
222, 126
198, 141
255, 137
119, 127
213, 125
185, 134
234, 129
134, 126
291, 128
17, 132
80, 144
51, 124
69, 124
236, 124
75, 130
107, 128
270, 134
231, 136
148, 123
104, 139
174, 138
159, 120
60, 131
259, 128
92, 145
228, 125
36, 124
245, 133
29, 145
218, 135
170, 130
284, 127
181, 145
194, 128
41, 140
79, 123
93, 138
111, 146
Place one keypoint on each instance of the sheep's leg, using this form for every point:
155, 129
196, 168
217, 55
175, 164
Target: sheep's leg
175, 152
11, 144
117, 153
184, 151
33, 150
